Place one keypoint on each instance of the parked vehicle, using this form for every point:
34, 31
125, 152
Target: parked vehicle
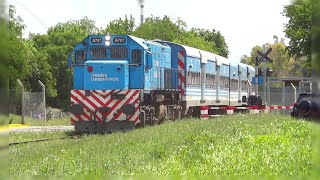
302, 108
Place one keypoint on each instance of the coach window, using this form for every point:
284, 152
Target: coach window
233, 85
227, 82
209, 80
244, 85
136, 56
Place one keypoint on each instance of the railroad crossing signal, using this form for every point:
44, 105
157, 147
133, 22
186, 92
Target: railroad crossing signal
263, 56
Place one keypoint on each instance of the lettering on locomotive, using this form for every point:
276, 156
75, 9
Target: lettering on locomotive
119, 40
102, 77
96, 40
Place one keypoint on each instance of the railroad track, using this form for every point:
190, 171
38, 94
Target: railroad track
41, 140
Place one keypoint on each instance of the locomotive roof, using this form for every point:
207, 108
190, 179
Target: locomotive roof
143, 42
140, 41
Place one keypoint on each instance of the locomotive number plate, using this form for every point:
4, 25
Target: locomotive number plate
96, 40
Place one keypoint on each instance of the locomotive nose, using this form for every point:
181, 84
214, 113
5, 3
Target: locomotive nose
106, 75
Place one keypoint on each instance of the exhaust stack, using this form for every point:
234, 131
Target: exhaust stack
141, 10
141, 13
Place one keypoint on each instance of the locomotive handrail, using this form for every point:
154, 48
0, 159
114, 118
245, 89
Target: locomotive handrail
131, 65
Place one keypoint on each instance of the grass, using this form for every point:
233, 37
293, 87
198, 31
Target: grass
15, 119
27, 136
232, 145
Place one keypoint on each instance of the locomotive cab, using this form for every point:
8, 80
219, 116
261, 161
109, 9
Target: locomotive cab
108, 78
107, 62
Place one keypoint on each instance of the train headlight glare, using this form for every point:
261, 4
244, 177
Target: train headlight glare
107, 37
107, 43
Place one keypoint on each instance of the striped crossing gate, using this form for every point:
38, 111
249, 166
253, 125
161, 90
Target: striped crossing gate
204, 110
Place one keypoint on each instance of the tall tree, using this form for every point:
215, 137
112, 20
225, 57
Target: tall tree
215, 38
157, 28
253, 54
120, 26
3, 62
166, 29
55, 47
194, 40
18, 66
3, 47
26, 62
298, 30
316, 36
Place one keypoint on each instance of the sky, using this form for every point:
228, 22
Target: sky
244, 23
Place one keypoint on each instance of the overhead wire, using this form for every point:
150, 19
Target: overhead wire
33, 15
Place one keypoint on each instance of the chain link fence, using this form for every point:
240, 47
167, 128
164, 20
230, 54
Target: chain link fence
32, 106
15, 102
282, 93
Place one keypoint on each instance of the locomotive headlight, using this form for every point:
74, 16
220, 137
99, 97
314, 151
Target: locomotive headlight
107, 43
107, 37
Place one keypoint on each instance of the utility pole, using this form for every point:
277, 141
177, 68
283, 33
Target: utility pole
257, 76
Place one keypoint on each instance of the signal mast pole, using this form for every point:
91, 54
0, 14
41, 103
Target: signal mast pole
257, 76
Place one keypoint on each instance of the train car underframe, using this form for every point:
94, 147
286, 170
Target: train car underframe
160, 106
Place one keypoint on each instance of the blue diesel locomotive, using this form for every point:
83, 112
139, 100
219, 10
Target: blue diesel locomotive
121, 81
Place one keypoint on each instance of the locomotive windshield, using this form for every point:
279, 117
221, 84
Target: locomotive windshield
98, 52
119, 52
80, 56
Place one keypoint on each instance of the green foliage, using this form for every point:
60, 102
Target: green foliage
29, 136
119, 26
168, 30
298, 30
215, 38
251, 60
19, 67
302, 2
157, 28
232, 145
3, 62
26, 62
316, 36
193, 40
54, 47
3, 48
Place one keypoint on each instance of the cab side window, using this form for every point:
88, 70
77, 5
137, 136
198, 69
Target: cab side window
136, 56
